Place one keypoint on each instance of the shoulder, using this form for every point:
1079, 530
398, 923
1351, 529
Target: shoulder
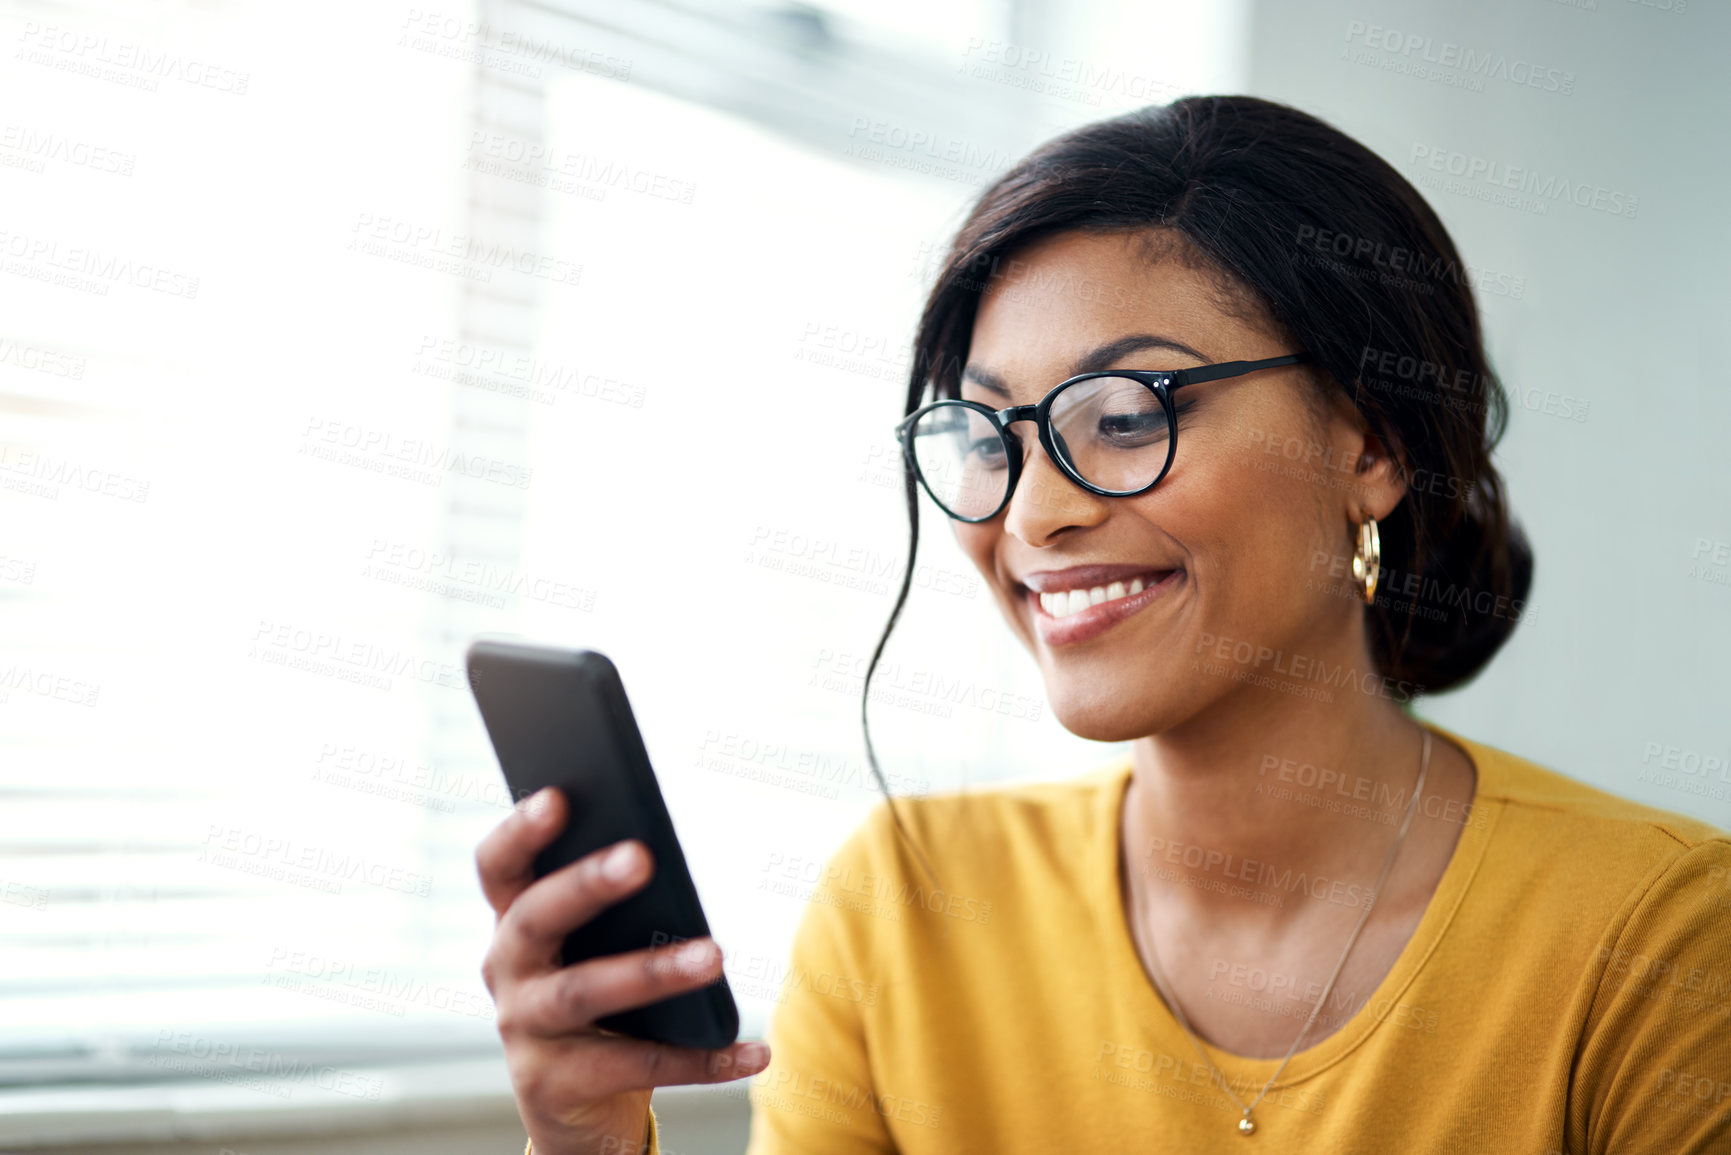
993, 826
1538, 788
1549, 826
1540, 794
921, 866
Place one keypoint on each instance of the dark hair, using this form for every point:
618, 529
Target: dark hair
1328, 240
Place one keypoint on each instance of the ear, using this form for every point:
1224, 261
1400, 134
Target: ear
1378, 473
1379, 480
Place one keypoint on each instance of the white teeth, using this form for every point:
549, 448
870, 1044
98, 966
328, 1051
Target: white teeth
1066, 602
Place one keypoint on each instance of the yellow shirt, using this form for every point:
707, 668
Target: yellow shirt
1568, 989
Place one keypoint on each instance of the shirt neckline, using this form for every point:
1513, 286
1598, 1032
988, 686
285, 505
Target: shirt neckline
1439, 913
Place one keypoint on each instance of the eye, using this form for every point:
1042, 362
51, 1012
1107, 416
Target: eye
987, 452
1129, 430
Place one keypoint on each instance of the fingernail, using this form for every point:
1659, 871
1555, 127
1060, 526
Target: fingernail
536, 807
696, 954
753, 1057
620, 862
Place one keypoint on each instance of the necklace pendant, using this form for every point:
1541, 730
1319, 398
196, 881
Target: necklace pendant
1245, 1126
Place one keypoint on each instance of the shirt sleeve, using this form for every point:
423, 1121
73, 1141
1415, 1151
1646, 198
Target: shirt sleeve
817, 1094
1653, 1072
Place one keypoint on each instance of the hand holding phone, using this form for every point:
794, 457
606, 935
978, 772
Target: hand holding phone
580, 1087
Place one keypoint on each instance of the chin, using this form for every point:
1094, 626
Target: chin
1118, 712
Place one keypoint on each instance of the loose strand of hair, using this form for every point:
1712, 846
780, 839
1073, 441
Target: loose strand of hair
911, 491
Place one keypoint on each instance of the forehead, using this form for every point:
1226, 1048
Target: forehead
1056, 299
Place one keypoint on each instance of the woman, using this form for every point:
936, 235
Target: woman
1204, 392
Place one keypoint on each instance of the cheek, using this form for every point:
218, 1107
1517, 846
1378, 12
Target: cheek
979, 543
1250, 523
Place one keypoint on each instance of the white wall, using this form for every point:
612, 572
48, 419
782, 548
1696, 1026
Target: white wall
1626, 648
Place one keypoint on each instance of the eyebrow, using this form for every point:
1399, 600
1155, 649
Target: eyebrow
1094, 360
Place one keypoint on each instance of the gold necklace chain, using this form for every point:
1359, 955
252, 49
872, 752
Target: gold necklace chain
1247, 1126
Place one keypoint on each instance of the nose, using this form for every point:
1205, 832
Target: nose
1046, 501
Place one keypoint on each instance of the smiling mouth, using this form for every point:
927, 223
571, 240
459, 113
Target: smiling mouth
1084, 602
1063, 603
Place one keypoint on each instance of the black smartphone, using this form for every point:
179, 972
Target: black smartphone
561, 718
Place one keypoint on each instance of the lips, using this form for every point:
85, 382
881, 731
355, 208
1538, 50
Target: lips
1075, 604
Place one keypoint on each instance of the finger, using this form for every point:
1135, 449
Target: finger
573, 997
505, 858
534, 926
611, 1064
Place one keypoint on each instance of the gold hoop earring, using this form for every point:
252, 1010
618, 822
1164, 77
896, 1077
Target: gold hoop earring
1368, 559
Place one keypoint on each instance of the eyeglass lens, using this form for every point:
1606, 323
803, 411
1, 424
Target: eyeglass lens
1112, 431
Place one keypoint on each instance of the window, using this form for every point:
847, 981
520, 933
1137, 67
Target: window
332, 340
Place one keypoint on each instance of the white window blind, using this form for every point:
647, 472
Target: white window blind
331, 339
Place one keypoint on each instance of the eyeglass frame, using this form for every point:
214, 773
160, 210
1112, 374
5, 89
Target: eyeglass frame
1162, 382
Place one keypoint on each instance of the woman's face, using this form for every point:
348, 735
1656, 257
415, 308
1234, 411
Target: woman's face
1229, 546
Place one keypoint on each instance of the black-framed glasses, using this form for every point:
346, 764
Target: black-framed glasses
1113, 433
